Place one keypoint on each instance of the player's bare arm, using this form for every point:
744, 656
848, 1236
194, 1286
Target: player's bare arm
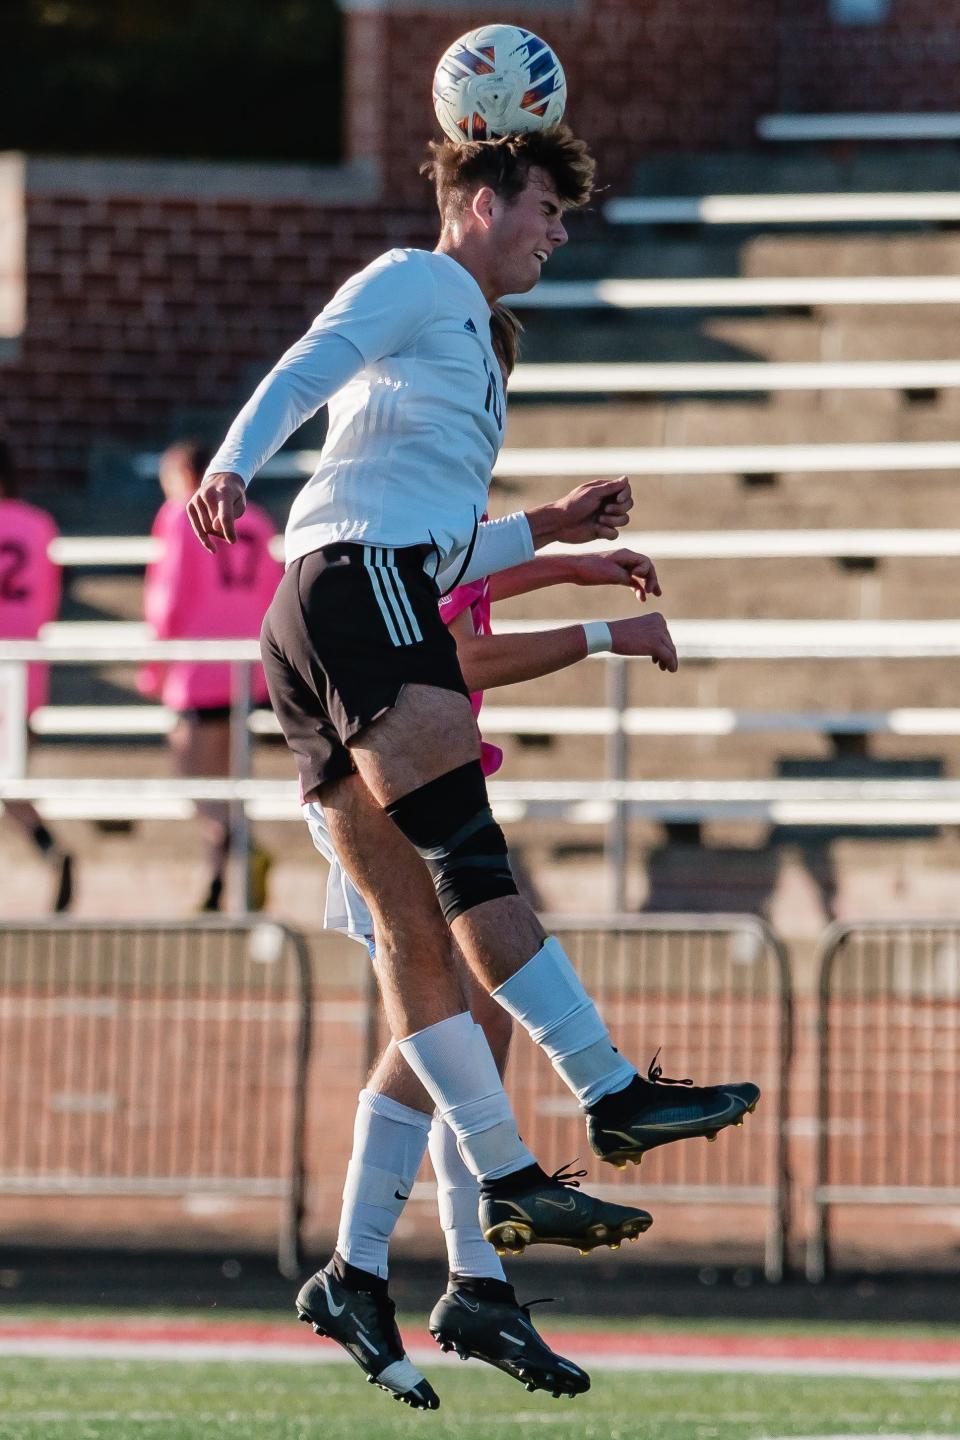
215, 508
617, 567
488, 661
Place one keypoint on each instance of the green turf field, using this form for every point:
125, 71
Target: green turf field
147, 1400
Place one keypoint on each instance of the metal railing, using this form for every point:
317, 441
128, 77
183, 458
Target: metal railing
715, 993
888, 1103
155, 1059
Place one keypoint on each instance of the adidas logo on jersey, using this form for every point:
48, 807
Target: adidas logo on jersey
469, 325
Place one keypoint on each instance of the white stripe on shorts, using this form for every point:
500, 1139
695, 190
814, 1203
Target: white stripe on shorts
402, 596
391, 596
377, 586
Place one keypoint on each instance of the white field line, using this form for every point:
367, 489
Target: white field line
66, 1348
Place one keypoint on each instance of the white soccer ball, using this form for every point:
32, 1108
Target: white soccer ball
496, 81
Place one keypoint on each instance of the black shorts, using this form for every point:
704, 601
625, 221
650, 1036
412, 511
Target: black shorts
349, 626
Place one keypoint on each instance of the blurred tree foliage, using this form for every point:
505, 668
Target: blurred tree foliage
211, 78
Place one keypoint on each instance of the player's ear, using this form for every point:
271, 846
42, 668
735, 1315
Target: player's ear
483, 204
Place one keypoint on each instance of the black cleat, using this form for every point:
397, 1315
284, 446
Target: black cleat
552, 1210
623, 1126
481, 1320
364, 1325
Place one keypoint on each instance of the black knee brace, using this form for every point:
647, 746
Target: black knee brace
449, 822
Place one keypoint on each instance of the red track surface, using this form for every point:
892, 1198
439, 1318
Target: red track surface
585, 1343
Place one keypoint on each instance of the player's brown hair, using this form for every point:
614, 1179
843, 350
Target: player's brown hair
505, 332
459, 171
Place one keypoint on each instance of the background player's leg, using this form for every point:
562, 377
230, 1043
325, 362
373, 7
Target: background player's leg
25, 816
200, 746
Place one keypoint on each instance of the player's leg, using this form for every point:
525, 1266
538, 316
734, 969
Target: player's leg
200, 746
421, 986
478, 1315
26, 818
447, 818
424, 1001
627, 1114
356, 655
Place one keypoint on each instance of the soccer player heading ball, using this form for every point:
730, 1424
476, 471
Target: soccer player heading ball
365, 679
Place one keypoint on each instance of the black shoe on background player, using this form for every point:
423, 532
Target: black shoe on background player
362, 1321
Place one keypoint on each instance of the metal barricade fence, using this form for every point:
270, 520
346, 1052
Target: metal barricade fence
888, 1103
715, 993
153, 1059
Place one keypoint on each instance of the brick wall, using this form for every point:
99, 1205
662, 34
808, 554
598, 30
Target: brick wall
139, 307
909, 62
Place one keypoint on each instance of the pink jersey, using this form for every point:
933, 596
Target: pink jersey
190, 594
474, 597
29, 583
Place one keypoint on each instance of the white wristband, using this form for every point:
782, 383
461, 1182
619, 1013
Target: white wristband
597, 634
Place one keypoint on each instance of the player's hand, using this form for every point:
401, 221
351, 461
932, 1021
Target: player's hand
594, 511
645, 635
216, 507
617, 567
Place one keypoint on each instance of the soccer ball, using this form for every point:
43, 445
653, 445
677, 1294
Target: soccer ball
496, 81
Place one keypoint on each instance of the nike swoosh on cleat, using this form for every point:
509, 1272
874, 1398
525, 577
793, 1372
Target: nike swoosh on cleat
472, 1305
334, 1308
570, 1204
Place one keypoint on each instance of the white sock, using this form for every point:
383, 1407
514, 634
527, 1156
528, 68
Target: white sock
389, 1143
454, 1063
458, 1195
547, 996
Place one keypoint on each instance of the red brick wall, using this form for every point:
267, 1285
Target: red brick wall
909, 62
137, 307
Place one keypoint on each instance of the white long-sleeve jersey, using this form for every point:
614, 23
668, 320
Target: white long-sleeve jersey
402, 356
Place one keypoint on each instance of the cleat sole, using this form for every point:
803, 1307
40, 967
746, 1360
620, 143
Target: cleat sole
513, 1239
528, 1378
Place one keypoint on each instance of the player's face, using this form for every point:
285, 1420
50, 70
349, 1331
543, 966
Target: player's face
526, 233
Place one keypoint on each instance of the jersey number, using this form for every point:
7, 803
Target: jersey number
13, 562
493, 402
238, 563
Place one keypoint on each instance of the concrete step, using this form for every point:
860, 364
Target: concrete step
800, 169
